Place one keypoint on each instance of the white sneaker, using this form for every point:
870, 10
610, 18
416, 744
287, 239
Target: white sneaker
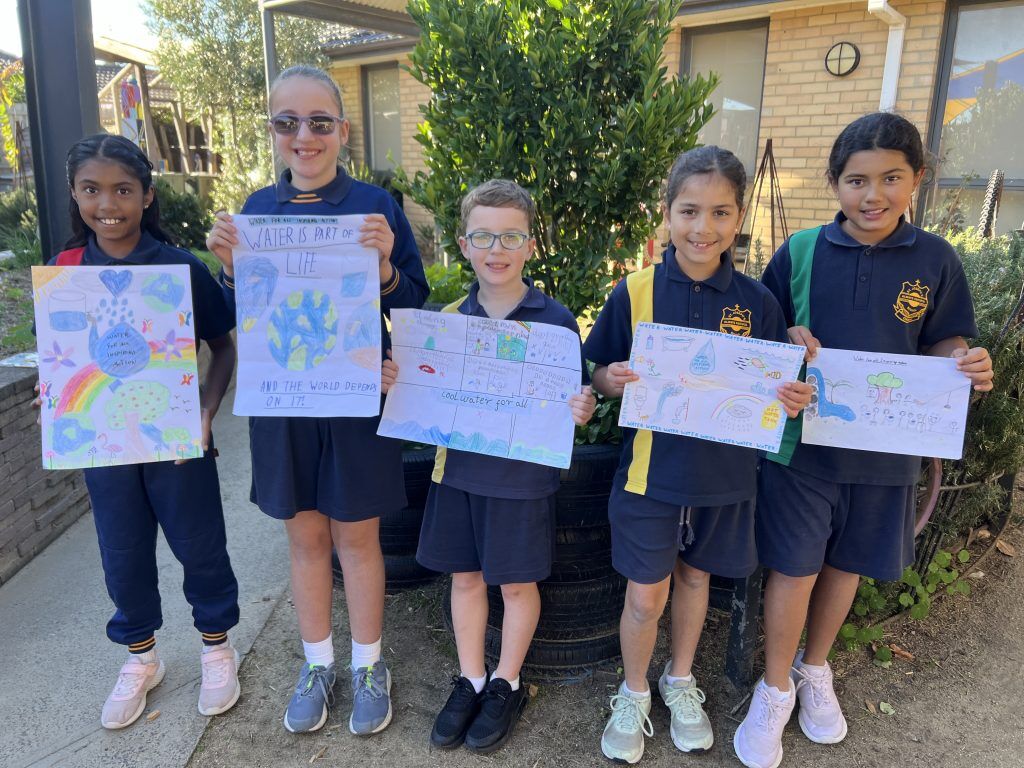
220, 688
139, 675
820, 717
691, 728
623, 737
758, 740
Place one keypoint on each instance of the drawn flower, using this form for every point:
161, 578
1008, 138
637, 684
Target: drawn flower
58, 357
171, 346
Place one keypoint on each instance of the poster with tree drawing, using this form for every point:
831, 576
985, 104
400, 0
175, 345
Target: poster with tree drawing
117, 365
708, 385
497, 387
907, 404
308, 312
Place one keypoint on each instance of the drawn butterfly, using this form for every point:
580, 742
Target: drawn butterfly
51, 402
44, 388
186, 378
147, 326
184, 318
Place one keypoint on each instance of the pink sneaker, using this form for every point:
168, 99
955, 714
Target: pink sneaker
758, 740
128, 699
220, 689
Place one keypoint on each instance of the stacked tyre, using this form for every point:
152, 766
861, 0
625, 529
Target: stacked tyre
400, 530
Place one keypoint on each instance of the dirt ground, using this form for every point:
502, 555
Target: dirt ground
956, 705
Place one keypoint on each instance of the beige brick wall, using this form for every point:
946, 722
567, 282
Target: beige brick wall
349, 81
804, 108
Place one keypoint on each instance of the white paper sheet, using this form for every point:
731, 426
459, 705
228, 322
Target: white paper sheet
713, 386
907, 404
497, 387
117, 365
308, 313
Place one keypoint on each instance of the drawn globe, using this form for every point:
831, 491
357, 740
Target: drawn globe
303, 330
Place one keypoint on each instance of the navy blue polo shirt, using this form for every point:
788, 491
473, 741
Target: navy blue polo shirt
210, 311
497, 476
900, 296
343, 196
673, 468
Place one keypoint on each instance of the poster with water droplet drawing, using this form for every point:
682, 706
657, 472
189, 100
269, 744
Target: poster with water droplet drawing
307, 298
117, 365
708, 385
496, 387
914, 405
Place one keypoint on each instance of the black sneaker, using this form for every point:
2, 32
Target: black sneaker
500, 708
458, 712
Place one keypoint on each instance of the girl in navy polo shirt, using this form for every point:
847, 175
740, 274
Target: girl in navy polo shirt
330, 479
826, 515
115, 220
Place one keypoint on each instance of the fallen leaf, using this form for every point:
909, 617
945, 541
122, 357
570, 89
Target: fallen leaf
903, 654
886, 708
1006, 548
532, 690
318, 755
153, 715
976, 575
870, 706
983, 534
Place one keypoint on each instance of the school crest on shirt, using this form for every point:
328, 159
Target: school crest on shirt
912, 302
735, 321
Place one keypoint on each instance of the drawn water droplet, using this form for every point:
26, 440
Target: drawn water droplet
704, 361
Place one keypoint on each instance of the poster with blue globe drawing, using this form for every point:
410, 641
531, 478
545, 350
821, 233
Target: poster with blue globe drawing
909, 404
117, 365
496, 387
708, 385
307, 300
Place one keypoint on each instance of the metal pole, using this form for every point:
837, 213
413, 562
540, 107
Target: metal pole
270, 65
60, 89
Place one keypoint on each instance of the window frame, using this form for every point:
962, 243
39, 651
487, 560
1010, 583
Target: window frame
369, 150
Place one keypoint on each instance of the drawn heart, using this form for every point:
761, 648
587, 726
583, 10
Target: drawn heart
116, 282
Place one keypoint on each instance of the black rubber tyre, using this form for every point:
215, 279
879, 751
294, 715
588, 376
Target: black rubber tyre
418, 465
582, 499
549, 659
400, 531
400, 572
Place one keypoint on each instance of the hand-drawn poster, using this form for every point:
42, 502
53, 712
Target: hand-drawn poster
117, 365
713, 386
908, 404
497, 387
308, 312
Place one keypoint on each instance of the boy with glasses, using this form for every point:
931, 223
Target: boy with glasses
489, 519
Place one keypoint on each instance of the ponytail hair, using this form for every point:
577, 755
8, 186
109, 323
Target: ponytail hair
118, 149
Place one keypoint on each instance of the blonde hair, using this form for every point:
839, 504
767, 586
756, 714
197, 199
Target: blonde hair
311, 73
497, 193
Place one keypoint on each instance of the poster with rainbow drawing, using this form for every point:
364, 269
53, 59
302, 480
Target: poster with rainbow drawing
708, 385
307, 300
117, 365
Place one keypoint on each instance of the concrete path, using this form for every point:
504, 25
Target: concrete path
57, 666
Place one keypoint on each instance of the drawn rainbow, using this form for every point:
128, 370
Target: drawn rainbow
84, 387
734, 399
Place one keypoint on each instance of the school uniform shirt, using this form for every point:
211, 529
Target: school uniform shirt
497, 476
674, 469
211, 315
900, 296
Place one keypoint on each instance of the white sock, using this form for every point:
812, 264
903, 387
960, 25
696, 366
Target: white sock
320, 654
365, 654
635, 694
685, 679
813, 668
514, 683
478, 682
148, 657
776, 694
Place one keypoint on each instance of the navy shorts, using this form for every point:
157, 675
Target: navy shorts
648, 535
339, 466
804, 522
512, 541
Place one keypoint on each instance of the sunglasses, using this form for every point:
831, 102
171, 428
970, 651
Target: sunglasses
509, 240
288, 125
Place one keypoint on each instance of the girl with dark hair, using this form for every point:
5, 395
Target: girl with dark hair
681, 508
868, 281
115, 219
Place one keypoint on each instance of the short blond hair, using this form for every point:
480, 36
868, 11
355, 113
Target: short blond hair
497, 193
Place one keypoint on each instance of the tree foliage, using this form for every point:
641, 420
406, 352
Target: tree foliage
12, 91
569, 99
211, 52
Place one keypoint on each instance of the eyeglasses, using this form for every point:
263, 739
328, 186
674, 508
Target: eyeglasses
509, 240
288, 125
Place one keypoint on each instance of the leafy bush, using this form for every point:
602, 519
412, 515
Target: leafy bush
183, 216
447, 284
17, 216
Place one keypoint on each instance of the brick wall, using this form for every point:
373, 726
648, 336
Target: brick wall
36, 505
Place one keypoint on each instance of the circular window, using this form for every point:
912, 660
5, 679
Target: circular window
842, 59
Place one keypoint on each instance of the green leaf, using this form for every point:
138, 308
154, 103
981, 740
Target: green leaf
883, 653
919, 611
906, 600
848, 632
886, 708
963, 556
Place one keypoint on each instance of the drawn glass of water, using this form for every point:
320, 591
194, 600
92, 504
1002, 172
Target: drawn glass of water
67, 310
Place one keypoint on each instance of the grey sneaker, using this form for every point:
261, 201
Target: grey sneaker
313, 698
691, 729
623, 737
371, 699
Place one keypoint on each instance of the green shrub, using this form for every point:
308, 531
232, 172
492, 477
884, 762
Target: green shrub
447, 284
183, 216
17, 216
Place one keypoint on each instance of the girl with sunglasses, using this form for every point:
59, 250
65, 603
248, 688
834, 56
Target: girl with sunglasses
330, 479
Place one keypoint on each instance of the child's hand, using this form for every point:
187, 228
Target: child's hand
794, 396
583, 404
976, 364
617, 376
376, 233
802, 335
38, 404
206, 420
221, 239
388, 373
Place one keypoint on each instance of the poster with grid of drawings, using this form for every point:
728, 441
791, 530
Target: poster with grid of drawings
496, 387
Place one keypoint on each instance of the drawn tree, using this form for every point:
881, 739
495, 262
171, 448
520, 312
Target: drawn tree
885, 383
134, 404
